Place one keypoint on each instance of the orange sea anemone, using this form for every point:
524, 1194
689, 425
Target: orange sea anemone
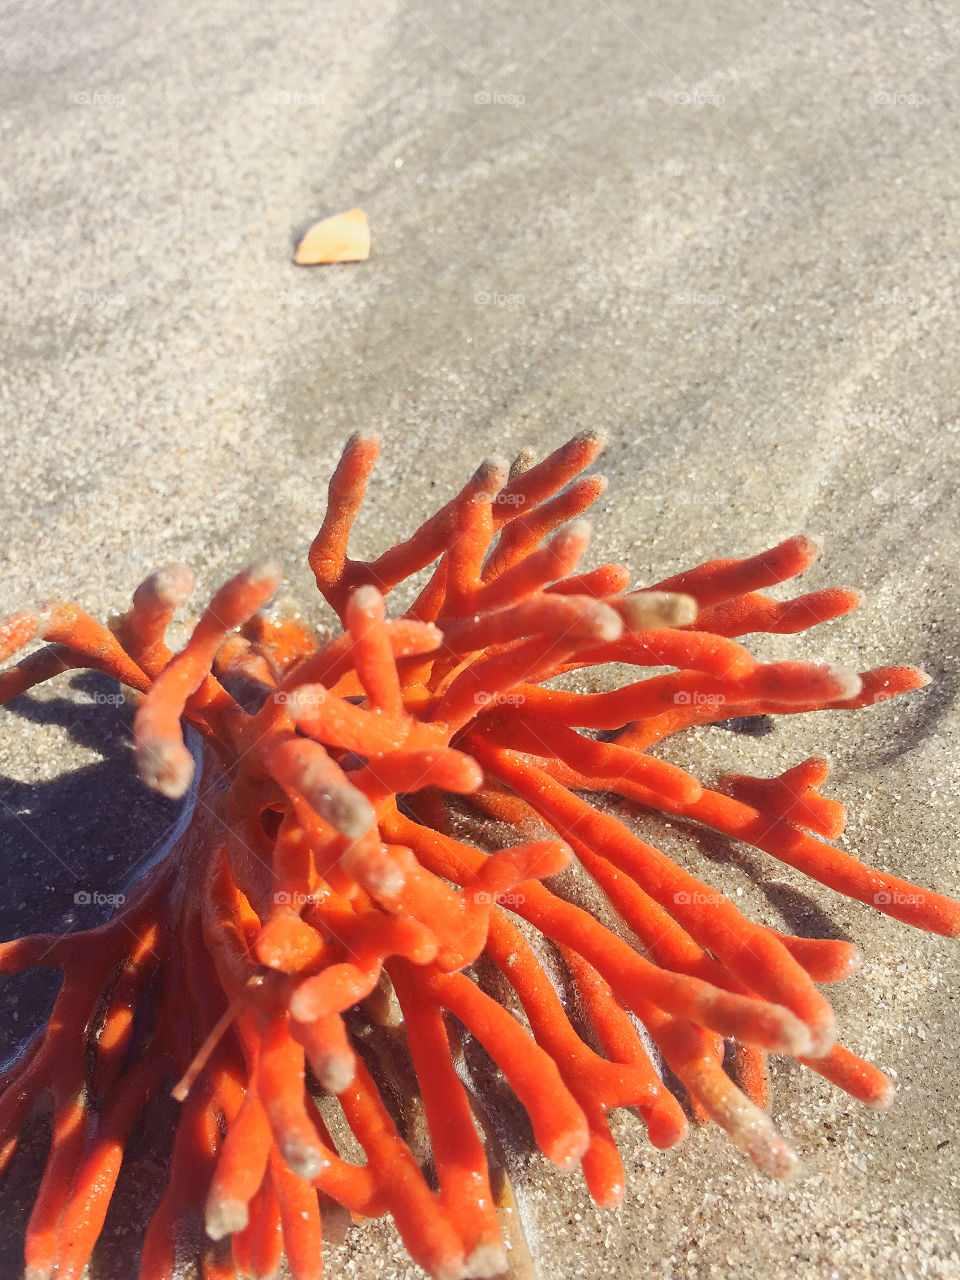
319, 892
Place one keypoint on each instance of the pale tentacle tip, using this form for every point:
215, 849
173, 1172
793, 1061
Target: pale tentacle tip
305, 1161
165, 766
224, 1217
486, 1261
268, 569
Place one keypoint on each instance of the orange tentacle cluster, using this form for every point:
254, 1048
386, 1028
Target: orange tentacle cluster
319, 889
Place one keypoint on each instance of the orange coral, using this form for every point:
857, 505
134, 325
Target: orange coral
319, 881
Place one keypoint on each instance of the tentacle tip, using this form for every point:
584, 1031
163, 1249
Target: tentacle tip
305, 1161
492, 471
385, 883
667, 1134
690, 790
784, 1164
610, 1195
564, 855
822, 1039
682, 610
449, 1269
854, 959
367, 599
818, 768
486, 1260
601, 624
172, 584
798, 1039
301, 703
430, 631
303, 1007
344, 808
579, 530
471, 776
224, 1216
594, 437
567, 1149
364, 438
165, 766
523, 461
267, 570
650, 610
335, 1073
810, 544
426, 950
884, 1096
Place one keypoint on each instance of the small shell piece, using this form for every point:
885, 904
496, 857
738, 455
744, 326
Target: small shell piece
342, 238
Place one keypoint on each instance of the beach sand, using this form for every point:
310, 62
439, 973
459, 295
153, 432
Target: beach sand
724, 233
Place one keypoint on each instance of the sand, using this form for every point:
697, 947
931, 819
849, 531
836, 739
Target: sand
726, 234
